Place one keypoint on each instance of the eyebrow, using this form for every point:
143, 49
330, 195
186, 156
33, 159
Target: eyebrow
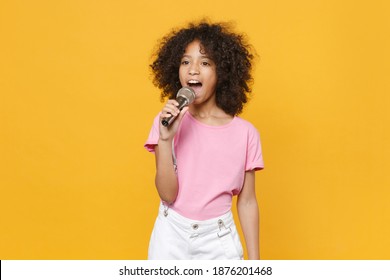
202, 56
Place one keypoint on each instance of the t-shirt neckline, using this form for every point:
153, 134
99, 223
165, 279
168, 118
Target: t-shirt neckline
191, 117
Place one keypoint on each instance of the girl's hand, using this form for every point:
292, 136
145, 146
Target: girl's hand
170, 108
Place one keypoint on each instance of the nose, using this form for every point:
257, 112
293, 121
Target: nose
194, 69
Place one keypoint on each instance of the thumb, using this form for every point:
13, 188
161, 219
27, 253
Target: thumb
182, 113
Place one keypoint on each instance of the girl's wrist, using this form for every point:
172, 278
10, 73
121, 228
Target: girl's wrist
165, 141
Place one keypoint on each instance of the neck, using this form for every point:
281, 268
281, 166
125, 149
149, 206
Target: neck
206, 111
212, 115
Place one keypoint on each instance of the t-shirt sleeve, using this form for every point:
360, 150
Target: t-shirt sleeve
154, 135
254, 159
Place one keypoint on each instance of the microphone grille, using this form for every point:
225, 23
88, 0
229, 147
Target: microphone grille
187, 93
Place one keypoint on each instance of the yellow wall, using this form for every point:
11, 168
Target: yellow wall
77, 103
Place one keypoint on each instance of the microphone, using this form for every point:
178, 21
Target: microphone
185, 96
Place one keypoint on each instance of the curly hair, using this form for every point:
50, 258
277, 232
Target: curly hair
229, 51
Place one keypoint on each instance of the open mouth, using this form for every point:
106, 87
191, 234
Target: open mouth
194, 84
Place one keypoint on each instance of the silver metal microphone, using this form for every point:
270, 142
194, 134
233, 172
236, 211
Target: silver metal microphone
185, 96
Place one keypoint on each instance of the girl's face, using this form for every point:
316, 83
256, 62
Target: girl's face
198, 71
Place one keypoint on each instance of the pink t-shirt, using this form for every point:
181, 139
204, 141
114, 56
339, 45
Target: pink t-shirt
211, 164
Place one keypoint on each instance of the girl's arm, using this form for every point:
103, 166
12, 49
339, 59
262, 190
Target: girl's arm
248, 213
166, 179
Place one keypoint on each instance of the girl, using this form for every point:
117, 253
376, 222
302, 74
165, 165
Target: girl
208, 154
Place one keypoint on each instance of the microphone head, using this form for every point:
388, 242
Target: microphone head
187, 93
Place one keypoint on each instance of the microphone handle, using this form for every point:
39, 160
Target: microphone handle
182, 103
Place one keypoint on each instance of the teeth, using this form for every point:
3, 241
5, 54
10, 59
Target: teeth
194, 82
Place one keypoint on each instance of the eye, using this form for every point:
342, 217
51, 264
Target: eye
205, 63
185, 62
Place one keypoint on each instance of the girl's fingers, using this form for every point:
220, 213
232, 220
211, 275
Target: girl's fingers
171, 108
183, 111
173, 102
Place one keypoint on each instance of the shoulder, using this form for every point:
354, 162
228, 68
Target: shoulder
248, 130
245, 125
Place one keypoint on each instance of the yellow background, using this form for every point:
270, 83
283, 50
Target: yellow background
77, 103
